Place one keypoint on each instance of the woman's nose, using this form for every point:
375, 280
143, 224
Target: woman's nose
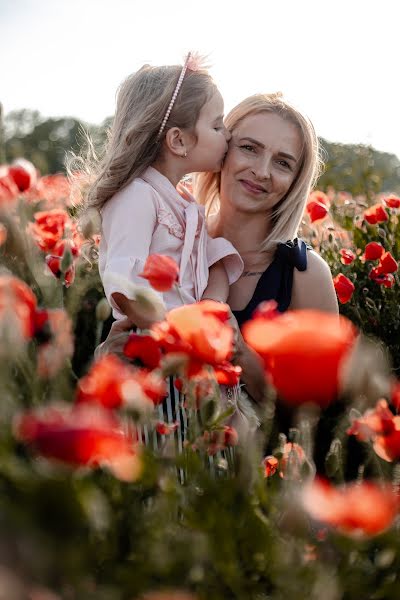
262, 168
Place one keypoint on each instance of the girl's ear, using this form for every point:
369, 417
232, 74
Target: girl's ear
176, 141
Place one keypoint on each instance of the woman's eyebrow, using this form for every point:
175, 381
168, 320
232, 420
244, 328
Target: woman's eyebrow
261, 145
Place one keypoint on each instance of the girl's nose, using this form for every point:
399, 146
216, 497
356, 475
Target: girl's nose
228, 135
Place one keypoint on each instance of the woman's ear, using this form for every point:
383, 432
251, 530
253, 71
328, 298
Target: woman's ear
176, 141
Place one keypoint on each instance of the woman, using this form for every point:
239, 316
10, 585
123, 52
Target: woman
257, 202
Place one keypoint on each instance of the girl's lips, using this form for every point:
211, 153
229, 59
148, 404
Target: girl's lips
252, 187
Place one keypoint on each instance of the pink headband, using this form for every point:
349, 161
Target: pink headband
192, 62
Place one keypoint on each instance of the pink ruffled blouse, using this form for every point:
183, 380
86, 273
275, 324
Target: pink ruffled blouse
150, 216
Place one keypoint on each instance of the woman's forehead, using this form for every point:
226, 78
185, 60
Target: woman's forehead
268, 128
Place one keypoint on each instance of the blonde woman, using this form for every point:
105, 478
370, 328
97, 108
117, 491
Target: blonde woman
257, 202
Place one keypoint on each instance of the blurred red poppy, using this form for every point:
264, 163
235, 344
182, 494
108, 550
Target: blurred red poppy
373, 251
385, 279
346, 256
228, 374
145, 348
55, 265
358, 509
199, 331
8, 189
302, 351
17, 307
81, 436
270, 465
49, 227
113, 383
344, 288
375, 214
23, 173
392, 202
316, 210
161, 272
57, 344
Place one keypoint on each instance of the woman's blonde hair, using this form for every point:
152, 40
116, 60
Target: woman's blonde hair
133, 143
286, 216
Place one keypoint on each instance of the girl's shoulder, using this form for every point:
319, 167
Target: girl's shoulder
138, 189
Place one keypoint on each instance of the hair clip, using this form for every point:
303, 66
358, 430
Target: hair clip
193, 62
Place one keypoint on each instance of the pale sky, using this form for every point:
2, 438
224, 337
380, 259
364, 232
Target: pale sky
337, 60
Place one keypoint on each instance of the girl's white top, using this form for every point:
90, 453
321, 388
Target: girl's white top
150, 216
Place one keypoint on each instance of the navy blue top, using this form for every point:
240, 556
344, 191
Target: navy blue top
277, 280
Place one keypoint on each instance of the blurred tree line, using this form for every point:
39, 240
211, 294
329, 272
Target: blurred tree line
357, 169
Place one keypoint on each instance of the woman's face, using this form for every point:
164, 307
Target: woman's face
262, 162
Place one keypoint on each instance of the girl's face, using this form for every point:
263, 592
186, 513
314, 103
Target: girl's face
207, 154
262, 162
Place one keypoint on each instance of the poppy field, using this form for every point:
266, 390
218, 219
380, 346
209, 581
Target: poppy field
101, 497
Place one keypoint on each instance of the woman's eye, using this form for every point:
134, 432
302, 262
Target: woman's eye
248, 147
284, 164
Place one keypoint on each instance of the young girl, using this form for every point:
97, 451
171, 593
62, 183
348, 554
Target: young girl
168, 122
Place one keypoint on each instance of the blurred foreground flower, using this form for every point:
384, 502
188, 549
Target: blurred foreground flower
375, 214
200, 331
114, 384
81, 436
380, 426
58, 345
23, 173
161, 271
17, 309
302, 351
358, 509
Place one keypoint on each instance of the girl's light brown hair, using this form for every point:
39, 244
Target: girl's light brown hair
133, 143
287, 215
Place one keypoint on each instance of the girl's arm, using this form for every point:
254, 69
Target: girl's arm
253, 375
218, 284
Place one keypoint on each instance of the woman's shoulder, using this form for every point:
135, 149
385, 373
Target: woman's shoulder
313, 287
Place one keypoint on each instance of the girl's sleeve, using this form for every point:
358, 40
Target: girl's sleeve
128, 223
220, 249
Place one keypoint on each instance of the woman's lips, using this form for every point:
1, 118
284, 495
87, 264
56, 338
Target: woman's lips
251, 187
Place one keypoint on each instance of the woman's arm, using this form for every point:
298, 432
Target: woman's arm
313, 288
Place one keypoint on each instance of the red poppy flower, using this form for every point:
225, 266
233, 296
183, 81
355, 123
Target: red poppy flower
63, 245
166, 428
49, 227
375, 421
8, 189
364, 508
387, 263
112, 383
346, 256
23, 173
392, 202
395, 395
81, 436
161, 271
316, 210
303, 366
54, 189
17, 307
228, 374
375, 214
145, 348
344, 288
373, 251
55, 263
198, 331
270, 465
385, 279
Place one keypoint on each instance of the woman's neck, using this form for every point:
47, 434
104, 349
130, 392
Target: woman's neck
247, 233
